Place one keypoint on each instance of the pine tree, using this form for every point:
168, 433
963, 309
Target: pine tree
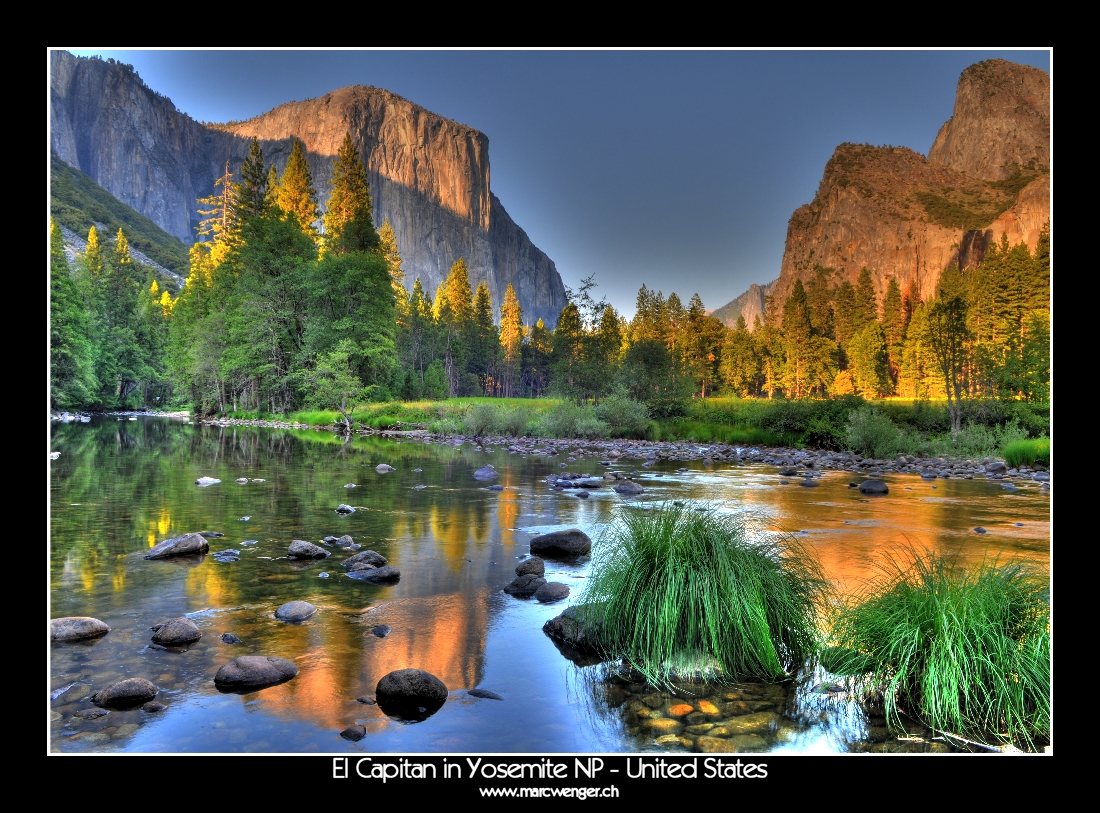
536, 372
296, 195
388, 247
72, 380
796, 342
820, 296
93, 255
484, 341
217, 213
844, 306
868, 362
865, 308
947, 335
567, 355
893, 325
740, 363
511, 339
349, 223
250, 194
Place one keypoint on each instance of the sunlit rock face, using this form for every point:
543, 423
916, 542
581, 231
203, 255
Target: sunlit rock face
875, 205
429, 175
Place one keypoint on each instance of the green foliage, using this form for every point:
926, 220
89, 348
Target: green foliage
570, 420
674, 589
1026, 452
956, 210
963, 650
872, 434
77, 203
626, 417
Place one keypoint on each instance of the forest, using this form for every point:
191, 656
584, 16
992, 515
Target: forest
287, 309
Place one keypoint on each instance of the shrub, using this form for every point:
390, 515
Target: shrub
872, 434
626, 417
1027, 452
512, 421
591, 428
562, 421
480, 419
672, 588
966, 651
445, 426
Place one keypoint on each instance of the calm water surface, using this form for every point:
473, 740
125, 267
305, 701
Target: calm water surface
119, 487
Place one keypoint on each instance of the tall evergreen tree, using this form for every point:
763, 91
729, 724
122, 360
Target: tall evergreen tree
740, 362
844, 309
484, 342
296, 195
511, 340
865, 308
796, 341
72, 378
947, 335
388, 248
250, 194
349, 217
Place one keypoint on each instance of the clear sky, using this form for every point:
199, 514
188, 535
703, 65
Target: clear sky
677, 169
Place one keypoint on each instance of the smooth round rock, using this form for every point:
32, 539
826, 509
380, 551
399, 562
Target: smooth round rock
230, 638
381, 631
384, 468
300, 549
128, 692
486, 473
354, 733
295, 611
177, 632
376, 575
495, 487
76, 628
572, 542
254, 670
628, 488
344, 509
484, 694
533, 565
552, 591
809, 483
153, 706
186, 545
873, 487
410, 694
980, 530
365, 557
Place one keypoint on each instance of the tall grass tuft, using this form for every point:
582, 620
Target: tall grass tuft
675, 589
1027, 452
966, 651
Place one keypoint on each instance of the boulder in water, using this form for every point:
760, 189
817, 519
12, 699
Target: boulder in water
186, 545
300, 549
295, 611
177, 632
128, 692
250, 671
571, 542
76, 628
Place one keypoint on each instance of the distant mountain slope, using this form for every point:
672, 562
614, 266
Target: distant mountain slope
429, 175
906, 216
77, 203
750, 305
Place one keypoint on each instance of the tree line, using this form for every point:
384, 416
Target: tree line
286, 308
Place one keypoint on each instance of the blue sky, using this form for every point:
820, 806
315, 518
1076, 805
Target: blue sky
677, 169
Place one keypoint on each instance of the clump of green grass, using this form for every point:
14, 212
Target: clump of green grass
1027, 452
965, 651
674, 586
316, 417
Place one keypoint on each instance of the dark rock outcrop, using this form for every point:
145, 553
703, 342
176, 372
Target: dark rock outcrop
252, 671
76, 628
575, 637
186, 545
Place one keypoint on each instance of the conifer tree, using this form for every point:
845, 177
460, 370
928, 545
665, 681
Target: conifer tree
868, 362
740, 362
893, 326
844, 310
796, 341
250, 194
296, 194
865, 308
217, 214
511, 339
947, 335
72, 380
388, 247
349, 216
93, 255
484, 341
536, 372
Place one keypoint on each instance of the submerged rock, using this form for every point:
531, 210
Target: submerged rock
354, 733
128, 692
486, 473
177, 632
572, 542
344, 509
628, 488
384, 468
211, 534
254, 670
381, 631
76, 628
153, 706
207, 481
230, 638
186, 545
295, 611
495, 487
809, 483
484, 694
576, 638
300, 549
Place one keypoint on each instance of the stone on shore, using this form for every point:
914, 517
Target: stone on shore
572, 542
186, 545
300, 549
76, 628
254, 670
128, 692
177, 632
295, 611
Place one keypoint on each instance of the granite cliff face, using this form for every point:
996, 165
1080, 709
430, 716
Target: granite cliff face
903, 215
750, 305
429, 175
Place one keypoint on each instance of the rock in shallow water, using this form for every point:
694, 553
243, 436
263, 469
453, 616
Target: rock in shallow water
552, 591
186, 545
128, 692
177, 632
524, 585
410, 694
153, 706
367, 557
300, 549
295, 611
230, 638
484, 694
384, 468
628, 488
873, 487
354, 733
572, 542
486, 473
376, 575
344, 509
381, 631
76, 628
254, 670
533, 565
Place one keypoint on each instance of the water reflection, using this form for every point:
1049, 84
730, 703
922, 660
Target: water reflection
118, 488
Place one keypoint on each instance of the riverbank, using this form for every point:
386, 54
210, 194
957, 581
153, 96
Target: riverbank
802, 463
